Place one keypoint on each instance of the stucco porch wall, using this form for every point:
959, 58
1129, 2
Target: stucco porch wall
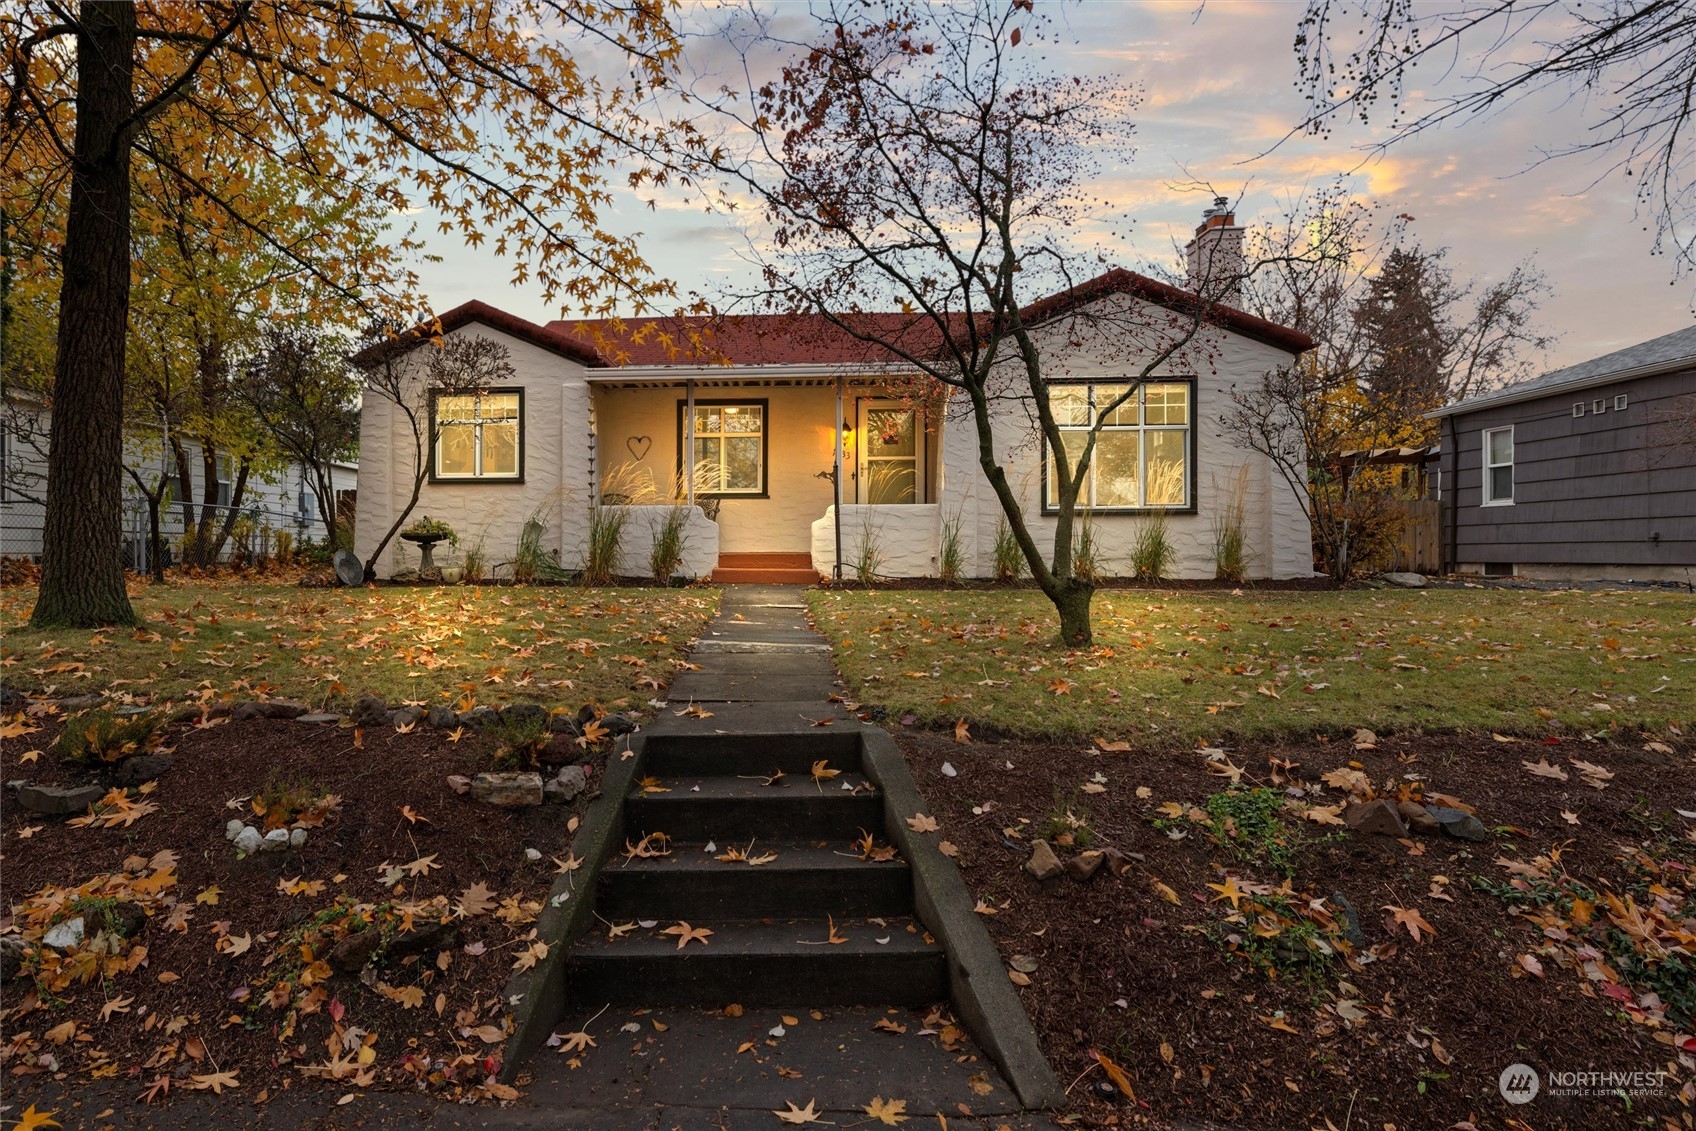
555, 486
639, 432
1276, 524
641, 523
905, 539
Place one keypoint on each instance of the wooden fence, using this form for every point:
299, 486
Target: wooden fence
1420, 547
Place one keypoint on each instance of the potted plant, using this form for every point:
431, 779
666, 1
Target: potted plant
425, 532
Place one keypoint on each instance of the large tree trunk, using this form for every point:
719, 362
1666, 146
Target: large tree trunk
1072, 597
82, 570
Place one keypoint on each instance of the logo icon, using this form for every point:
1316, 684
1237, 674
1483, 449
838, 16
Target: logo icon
1519, 1084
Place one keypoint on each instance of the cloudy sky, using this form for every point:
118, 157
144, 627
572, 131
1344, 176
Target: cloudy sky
1218, 93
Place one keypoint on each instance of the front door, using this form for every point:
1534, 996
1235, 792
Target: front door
891, 449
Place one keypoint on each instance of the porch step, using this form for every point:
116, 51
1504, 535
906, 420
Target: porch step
733, 811
805, 880
723, 576
765, 569
762, 963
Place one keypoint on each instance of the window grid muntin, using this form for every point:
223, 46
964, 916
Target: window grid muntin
1172, 397
489, 408
720, 435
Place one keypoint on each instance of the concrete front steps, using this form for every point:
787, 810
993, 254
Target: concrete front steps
772, 923
765, 569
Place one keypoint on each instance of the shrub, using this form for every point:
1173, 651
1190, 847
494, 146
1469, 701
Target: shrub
1086, 552
606, 539
951, 560
102, 736
670, 530
282, 805
520, 738
1067, 823
1152, 552
868, 556
427, 526
1230, 539
1009, 559
476, 561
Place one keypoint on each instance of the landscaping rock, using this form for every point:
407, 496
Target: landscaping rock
442, 718
407, 716
1463, 826
565, 724
12, 951
425, 939
247, 709
139, 769
349, 569
370, 711
514, 790
1418, 818
58, 800
567, 784
130, 710
1350, 919
405, 576
352, 953
11, 700
1117, 862
318, 718
129, 918
81, 703
249, 840
520, 714
232, 829
1043, 864
297, 838
1378, 818
277, 840
1084, 866
585, 713
285, 708
617, 726
479, 717
63, 936
1404, 580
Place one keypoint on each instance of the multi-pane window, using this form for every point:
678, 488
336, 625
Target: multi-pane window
891, 454
729, 449
1142, 453
478, 434
1498, 466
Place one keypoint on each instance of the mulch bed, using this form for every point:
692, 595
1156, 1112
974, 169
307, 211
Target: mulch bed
1120, 968
214, 1015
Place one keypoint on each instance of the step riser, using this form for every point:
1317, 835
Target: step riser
736, 821
733, 755
742, 892
765, 559
701, 978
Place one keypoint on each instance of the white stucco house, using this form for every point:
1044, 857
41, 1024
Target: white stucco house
603, 412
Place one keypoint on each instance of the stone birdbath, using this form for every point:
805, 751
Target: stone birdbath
426, 544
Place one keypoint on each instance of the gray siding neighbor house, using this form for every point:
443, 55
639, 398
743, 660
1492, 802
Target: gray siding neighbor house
1586, 472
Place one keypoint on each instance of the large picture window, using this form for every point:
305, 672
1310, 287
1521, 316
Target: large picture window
1498, 466
1143, 453
479, 435
729, 438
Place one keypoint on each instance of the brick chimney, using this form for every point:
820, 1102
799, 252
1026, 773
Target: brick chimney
1216, 255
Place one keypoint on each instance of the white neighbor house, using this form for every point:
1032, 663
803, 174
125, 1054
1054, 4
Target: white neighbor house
573, 427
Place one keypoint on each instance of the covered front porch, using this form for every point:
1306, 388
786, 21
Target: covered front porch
770, 458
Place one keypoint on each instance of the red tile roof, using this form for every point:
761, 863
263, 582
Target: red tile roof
811, 339
550, 338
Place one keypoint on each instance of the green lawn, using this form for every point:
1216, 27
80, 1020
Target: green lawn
1172, 668
551, 645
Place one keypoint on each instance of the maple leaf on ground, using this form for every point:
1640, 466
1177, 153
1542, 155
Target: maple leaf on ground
888, 1113
823, 773
799, 1115
962, 736
215, 1081
32, 1119
530, 955
413, 816
1410, 918
687, 934
116, 1005
1543, 770
1229, 890
575, 1042
922, 823
421, 866
233, 945
1114, 1073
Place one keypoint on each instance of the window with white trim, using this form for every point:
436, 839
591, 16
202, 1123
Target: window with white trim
478, 435
1498, 466
1143, 452
730, 447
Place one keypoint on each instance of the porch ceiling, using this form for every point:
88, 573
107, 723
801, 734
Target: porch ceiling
722, 378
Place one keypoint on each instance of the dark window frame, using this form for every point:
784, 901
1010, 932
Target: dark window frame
436, 439
765, 444
1190, 460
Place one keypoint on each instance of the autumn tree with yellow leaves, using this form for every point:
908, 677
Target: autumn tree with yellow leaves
488, 113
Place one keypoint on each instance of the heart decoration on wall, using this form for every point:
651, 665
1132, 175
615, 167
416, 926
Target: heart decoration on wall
639, 446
